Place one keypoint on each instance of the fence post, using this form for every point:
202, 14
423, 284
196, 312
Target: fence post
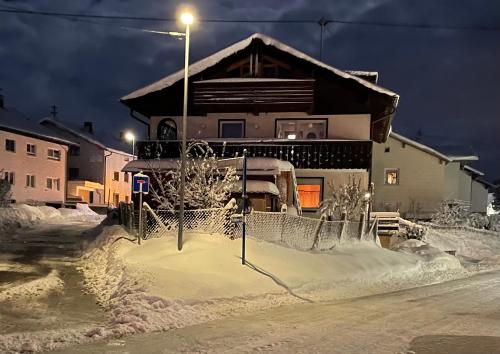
245, 207
344, 226
141, 221
362, 226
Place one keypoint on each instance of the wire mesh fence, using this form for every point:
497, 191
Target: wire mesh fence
290, 230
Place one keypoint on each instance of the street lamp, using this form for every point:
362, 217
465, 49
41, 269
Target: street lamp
187, 19
129, 136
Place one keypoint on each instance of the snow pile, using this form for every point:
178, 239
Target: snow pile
23, 215
41, 287
155, 287
468, 242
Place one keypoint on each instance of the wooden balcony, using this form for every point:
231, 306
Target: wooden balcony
321, 154
254, 94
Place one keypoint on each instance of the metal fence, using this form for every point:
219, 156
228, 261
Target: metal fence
290, 230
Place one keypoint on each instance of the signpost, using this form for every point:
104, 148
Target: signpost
140, 184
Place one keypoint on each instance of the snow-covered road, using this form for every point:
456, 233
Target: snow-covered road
459, 317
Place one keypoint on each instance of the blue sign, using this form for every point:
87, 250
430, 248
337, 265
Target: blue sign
140, 183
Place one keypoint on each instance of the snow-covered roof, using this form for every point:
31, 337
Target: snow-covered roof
13, 120
256, 187
420, 146
217, 57
251, 79
103, 139
464, 158
473, 171
255, 165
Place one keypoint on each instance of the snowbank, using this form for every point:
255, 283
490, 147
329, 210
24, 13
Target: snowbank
154, 287
41, 287
23, 215
468, 242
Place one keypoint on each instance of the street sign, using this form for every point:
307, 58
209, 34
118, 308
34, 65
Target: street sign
140, 183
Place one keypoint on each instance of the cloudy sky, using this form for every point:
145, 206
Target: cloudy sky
448, 79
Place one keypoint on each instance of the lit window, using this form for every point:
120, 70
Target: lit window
391, 176
301, 129
30, 181
10, 145
231, 128
54, 154
310, 192
31, 149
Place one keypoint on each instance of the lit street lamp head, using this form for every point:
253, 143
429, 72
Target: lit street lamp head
129, 136
187, 18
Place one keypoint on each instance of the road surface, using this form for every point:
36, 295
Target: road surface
459, 317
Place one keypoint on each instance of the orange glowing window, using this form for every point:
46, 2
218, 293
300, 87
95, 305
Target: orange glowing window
309, 195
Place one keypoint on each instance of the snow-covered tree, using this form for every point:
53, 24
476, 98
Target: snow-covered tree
5, 192
496, 196
451, 213
207, 185
346, 201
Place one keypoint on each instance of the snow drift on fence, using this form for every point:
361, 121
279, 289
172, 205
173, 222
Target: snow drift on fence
23, 215
466, 241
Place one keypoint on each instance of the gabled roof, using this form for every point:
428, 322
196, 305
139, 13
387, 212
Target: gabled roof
473, 171
14, 121
420, 146
102, 139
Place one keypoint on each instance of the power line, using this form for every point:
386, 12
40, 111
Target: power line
283, 21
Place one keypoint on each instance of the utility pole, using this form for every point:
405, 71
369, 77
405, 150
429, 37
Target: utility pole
322, 24
54, 112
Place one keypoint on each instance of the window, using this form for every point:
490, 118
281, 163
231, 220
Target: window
10, 145
310, 192
301, 128
74, 150
74, 173
231, 128
31, 149
54, 154
167, 130
9, 176
125, 176
391, 176
116, 176
387, 149
30, 181
53, 183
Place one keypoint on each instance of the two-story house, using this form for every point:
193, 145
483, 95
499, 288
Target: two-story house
414, 179
94, 166
32, 158
278, 103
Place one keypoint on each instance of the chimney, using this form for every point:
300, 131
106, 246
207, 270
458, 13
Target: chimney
1, 100
87, 126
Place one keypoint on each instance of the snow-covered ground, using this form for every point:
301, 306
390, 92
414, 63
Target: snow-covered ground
23, 215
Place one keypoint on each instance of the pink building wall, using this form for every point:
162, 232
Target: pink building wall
39, 165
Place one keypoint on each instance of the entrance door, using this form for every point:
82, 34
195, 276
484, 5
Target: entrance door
116, 199
91, 197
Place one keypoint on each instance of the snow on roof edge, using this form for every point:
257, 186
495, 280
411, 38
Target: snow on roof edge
215, 58
420, 146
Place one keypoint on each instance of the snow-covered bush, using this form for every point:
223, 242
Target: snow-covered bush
413, 232
451, 213
346, 201
494, 223
207, 185
477, 221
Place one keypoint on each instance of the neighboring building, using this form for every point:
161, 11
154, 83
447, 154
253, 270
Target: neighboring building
32, 158
278, 103
414, 179
95, 166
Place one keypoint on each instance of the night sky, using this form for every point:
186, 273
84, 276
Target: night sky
448, 80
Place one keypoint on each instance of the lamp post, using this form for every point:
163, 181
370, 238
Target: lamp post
129, 136
187, 19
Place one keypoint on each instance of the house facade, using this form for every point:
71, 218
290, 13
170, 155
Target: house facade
414, 179
279, 104
33, 159
95, 166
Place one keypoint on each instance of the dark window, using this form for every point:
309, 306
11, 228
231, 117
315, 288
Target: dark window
49, 183
31, 149
9, 176
54, 154
74, 151
74, 173
30, 181
387, 149
125, 176
231, 129
10, 145
116, 176
167, 130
